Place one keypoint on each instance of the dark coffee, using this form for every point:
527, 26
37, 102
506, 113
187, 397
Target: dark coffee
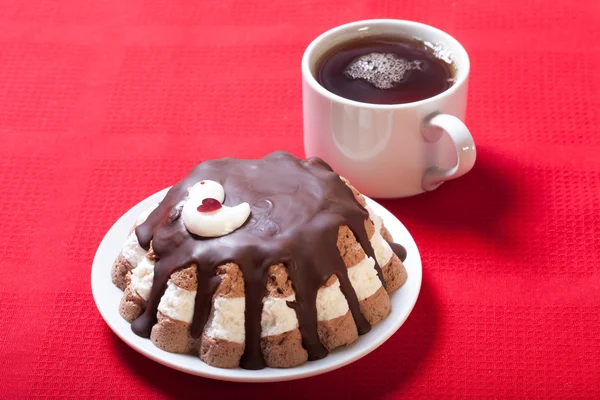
384, 70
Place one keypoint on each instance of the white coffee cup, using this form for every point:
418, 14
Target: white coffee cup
395, 150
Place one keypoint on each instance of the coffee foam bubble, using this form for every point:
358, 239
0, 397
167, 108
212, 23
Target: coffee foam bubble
382, 70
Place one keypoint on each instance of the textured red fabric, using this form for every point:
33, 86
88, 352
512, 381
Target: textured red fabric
102, 103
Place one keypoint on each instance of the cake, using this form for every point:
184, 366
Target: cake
258, 263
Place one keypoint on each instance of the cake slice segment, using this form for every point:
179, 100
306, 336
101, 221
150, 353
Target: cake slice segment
392, 268
175, 312
373, 299
223, 339
336, 327
281, 341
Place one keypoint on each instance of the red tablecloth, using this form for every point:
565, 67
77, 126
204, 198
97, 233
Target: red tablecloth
103, 103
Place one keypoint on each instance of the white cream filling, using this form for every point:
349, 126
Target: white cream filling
376, 219
331, 302
226, 320
227, 316
383, 251
277, 317
178, 303
132, 251
141, 278
364, 279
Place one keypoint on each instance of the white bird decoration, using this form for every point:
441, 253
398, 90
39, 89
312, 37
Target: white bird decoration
205, 215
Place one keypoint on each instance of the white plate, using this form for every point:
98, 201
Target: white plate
107, 297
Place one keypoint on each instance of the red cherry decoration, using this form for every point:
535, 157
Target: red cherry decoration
209, 205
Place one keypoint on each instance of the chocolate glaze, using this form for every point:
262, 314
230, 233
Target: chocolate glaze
297, 207
399, 250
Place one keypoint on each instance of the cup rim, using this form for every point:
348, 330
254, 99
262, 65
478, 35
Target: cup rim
312, 81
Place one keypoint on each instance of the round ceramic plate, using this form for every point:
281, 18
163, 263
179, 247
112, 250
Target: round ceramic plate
107, 297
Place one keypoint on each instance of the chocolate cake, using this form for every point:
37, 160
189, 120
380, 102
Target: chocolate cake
254, 263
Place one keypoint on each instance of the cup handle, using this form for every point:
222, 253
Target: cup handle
432, 130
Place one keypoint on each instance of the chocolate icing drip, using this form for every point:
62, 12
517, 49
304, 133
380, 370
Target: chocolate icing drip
399, 250
297, 208
207, 284
255, 280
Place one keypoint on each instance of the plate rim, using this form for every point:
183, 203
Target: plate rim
242, 375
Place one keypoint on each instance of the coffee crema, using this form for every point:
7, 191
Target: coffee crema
384, 70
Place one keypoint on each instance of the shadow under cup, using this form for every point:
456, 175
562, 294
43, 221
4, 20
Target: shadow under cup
385, 150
